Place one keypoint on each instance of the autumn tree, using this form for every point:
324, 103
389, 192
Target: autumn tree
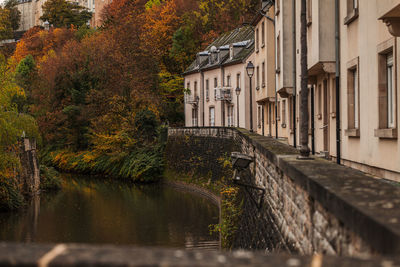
14, 13
6, 30
62, 13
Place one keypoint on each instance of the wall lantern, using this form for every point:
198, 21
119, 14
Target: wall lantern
237, 90
240, 162
250, 69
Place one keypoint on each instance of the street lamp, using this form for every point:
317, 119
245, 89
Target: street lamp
250, 73
46, 25
237, 90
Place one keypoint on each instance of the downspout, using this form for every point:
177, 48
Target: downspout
294, 72
202, 97
276, 80
263, 124
312, 121
337, 79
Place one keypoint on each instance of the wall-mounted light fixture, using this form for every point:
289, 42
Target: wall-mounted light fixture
240, 162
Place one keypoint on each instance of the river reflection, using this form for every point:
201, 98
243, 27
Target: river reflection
90, 210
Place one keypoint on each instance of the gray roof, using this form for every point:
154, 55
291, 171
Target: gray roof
242, 39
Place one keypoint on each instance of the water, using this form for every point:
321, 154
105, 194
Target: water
90, 210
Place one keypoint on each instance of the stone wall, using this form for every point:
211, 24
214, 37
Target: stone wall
310, 206
29, 177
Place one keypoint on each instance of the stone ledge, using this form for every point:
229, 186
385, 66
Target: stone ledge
365, 205
12, 254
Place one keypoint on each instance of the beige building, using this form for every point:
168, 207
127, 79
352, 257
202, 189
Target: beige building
31, 11
367, 83
217, 85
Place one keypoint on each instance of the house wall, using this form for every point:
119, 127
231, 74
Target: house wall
361, 38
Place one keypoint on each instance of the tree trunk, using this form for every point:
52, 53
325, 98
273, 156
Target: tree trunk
304, 149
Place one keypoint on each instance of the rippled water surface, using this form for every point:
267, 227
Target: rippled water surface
90, 210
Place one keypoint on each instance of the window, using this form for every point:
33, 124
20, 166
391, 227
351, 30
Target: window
319, 101
238, 80
291, 100
207, 90
228, 81
212, 116
188, 86
231, 52
263, 74
263, 34
278, 115
277, 7
195, 89
215, 88
283, 113
333, 108
353, 99
387, 90
352, 11
390, 90
278, 54
257, 40
258, 78
194, 117
309, 12
259, 117
230, 116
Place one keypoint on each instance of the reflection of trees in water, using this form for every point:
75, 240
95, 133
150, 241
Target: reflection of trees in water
106, 211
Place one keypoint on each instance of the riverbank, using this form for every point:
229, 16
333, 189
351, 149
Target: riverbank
220, 192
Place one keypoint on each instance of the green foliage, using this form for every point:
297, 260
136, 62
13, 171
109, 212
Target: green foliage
83, 32
24, 72
14, 13
6, 30
184, 46
62, 13
10, 196
49, 178
152, 3
146, 124
140, 165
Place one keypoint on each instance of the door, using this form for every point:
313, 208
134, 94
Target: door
212, 116
326, 116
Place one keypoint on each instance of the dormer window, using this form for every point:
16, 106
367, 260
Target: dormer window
231, 52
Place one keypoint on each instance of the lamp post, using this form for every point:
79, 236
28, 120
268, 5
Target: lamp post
237, 90
46, 25
250, 73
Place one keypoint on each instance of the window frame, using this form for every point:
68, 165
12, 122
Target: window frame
386, 129
352, 12
353, 98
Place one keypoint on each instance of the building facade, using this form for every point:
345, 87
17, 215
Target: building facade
217, 85
352, 81
31, 11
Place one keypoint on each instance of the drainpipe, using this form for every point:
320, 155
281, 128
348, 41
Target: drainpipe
337, 78
202, 96
312, 121
294, 72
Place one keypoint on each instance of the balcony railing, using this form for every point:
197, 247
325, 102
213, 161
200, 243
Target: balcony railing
224, 94
192, 99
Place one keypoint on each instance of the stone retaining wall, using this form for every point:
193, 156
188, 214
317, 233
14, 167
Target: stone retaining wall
310, 206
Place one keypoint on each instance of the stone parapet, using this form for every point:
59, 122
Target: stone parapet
310, 206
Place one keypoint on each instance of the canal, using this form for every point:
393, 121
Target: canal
90, 210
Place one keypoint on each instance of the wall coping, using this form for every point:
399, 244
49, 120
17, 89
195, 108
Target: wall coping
12, 254
366, 205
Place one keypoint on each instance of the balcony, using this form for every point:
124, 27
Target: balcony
192, 99
224, 94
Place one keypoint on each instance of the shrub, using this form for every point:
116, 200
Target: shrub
49, 178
